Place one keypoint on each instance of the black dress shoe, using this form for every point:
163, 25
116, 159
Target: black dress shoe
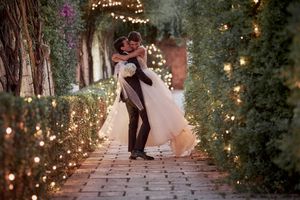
135, 154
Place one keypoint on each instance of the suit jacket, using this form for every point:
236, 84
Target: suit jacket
134, 81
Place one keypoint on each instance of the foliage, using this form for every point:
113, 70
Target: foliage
43, 139
234, 94
62, 25
289, 158
106, 88
166, 16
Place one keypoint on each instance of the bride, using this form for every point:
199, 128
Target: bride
165, 117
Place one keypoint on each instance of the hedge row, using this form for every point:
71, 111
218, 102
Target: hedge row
44, 139
236, 94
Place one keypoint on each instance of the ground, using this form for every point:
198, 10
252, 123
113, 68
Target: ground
108, 174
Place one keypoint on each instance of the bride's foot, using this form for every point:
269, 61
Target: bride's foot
135, 154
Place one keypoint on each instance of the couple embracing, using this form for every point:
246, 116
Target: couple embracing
144, 112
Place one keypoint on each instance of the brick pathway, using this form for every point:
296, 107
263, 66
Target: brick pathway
108, 174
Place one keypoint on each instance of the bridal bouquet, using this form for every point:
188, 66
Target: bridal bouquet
128, 69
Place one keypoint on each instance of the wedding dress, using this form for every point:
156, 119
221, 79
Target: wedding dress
166, 120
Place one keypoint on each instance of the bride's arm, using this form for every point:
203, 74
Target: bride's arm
138, 52
116, 59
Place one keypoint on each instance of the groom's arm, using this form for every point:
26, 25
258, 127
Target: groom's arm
139, 72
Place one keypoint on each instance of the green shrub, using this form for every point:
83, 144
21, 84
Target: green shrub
43, 139
235, 95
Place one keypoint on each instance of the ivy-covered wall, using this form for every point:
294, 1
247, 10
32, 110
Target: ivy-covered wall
62, 27
236, 94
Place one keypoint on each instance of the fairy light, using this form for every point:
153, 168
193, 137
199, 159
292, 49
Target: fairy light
37, 127
227, 67
256, 30
36, 159
135, 9
42, 143
237, 88
52, 184
11, 177
8, 130
242, 61
54, 104
52, 137
34, 197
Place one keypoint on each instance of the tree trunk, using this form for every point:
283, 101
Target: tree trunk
10, 43
31, 20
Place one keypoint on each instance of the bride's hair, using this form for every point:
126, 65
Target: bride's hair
135, 36
119, 43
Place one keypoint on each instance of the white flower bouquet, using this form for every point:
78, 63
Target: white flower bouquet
128, 70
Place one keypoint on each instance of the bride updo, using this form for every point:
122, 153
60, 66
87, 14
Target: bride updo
135, 36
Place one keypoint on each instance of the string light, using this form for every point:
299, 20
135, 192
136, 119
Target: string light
54, 104
136, 8
34, 197
242, 61
11, 177
11, 187
237, 88
36, 159
8, 130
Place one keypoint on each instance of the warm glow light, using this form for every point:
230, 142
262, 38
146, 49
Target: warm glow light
36, 159
237, 88
11, 177
34, 197
242, 61
42, 143
54, 104
227, 67
8, 130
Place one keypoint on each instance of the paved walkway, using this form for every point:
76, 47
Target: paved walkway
108, 174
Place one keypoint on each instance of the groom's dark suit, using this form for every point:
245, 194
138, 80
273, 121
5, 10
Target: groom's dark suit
137, 142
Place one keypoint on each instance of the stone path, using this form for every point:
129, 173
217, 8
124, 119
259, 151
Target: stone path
108, 174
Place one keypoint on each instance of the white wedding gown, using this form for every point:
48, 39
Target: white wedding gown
165, 117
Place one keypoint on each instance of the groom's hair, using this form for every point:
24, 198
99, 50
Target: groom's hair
119, 43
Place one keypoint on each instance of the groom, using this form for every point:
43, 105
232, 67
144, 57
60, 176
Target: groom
136, 144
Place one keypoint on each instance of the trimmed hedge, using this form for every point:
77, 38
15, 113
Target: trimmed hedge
289, 158
235, 93
43, 139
